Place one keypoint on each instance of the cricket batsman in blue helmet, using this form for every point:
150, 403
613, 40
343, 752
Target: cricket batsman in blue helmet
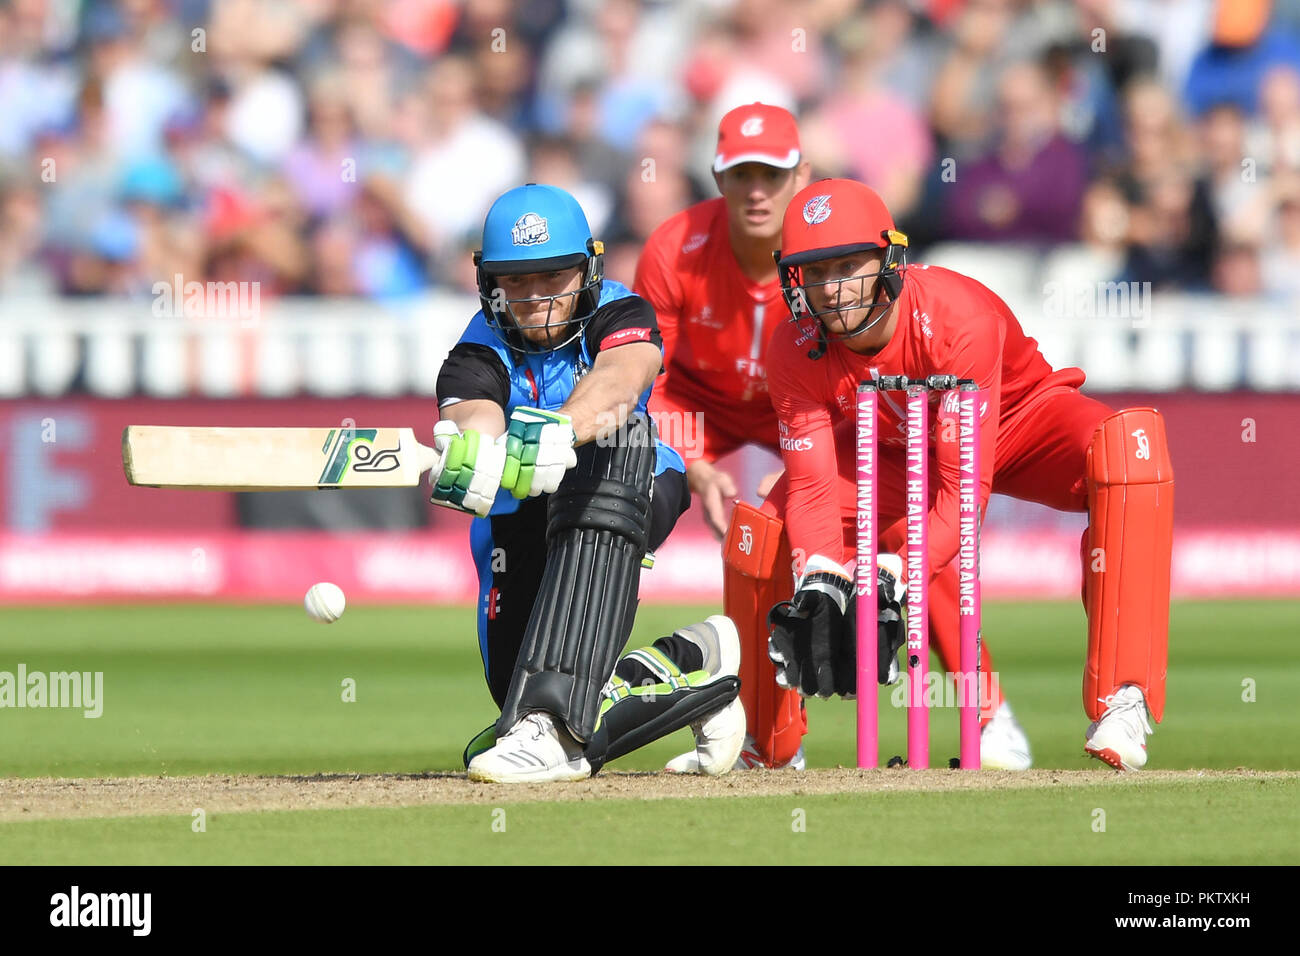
544, 437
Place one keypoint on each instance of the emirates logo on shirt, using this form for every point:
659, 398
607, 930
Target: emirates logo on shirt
706, 319
817, 209
752, 126
924, 319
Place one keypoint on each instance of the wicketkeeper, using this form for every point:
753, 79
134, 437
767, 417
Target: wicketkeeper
544, 437
860, 312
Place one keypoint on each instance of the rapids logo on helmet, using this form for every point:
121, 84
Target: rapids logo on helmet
530, 230
817, 209
752, 126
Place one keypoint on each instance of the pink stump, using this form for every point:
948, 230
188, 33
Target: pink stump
865, 572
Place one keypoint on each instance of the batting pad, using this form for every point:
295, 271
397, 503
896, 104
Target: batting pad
598, 526
637, 716
1129, 542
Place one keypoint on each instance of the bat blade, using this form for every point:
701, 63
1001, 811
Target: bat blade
272, 459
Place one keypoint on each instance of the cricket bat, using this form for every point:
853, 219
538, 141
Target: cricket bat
273, 459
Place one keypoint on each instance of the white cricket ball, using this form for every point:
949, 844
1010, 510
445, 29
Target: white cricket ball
325, 602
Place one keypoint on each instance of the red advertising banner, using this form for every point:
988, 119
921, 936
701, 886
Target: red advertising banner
1235, 456
72, 529
435, 567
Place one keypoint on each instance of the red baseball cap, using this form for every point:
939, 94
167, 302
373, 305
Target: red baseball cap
831, 218
757, 133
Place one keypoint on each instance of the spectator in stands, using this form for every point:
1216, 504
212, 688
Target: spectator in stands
20, 233
1179, 29
139, 93
1243, 49
1273, 140
322, 169
1280, 261
964, 96
1166, 222
1171, 233
1239, 195
1029, 187
625, 54
843, 136
552, 160
465, 161
1237, 270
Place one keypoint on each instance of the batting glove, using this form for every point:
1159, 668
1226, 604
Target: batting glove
468, 471
538, 449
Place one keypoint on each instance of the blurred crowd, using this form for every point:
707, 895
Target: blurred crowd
351, 147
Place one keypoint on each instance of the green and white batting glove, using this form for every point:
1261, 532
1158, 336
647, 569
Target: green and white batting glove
539, 450
468, 473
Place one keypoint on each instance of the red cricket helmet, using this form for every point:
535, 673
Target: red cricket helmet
832, 218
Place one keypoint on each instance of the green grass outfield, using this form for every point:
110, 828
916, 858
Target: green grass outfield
192, 690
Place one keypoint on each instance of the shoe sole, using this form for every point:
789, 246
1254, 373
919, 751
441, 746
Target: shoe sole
1110, 757
986, 764
485, 776
685, 766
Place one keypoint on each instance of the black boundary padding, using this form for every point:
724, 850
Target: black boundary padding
598, 525
636, 721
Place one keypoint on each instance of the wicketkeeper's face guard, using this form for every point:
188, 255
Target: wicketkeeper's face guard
542, 323
848, 301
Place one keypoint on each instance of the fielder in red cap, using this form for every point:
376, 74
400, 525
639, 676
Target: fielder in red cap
858, 312
710, 275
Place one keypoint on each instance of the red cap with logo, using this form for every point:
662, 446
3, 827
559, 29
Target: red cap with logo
757, 133
832, 218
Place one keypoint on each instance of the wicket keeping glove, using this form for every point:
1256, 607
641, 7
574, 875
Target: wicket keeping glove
813, 637
539, 450
891, 591
809, 640
468, 472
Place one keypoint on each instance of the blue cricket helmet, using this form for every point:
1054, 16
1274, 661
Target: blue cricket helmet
537, 228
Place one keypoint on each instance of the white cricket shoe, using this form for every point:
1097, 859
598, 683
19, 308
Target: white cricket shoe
720, 736
535, 751
747, 760
1120, 737
719, 739
1003, 744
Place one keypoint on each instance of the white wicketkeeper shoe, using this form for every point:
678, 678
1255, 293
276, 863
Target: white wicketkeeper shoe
535, 751
1120, 737
1003, 744
720, 736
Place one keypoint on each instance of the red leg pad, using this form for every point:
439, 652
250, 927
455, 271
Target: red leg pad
1128, 547
758, 572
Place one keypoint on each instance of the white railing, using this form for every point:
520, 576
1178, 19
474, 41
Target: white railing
115, 348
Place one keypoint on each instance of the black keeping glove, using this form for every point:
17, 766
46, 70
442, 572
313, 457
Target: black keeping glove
808, 639
812, 639
889, 624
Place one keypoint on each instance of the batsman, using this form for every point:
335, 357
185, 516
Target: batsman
545, 439
860, 312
